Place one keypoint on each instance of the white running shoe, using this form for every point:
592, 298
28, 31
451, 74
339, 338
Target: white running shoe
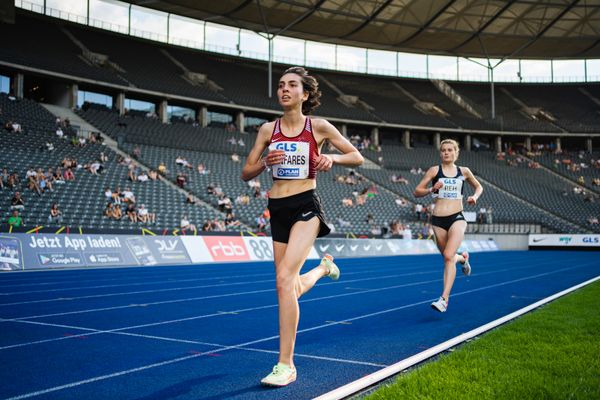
466, 267
334, 271
282, 375
440, 305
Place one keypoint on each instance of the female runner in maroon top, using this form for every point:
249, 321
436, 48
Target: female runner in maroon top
297, 218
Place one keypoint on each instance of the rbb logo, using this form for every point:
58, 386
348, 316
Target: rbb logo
226, 248
292, 147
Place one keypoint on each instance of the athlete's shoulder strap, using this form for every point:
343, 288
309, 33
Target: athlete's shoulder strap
277, 126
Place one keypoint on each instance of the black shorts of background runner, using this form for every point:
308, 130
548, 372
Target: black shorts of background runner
286, 211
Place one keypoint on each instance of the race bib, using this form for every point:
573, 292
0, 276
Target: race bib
296, 162
451, 190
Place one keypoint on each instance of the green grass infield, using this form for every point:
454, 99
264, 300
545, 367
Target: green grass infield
550, 353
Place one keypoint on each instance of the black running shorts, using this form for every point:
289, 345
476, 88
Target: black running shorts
446, 222
286, 211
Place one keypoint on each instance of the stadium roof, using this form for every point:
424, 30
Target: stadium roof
468, 28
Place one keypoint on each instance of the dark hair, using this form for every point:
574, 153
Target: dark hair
310, 85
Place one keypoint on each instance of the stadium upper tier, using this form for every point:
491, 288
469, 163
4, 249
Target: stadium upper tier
136, 65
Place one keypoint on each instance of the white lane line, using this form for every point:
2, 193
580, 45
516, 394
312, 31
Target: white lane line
91, 331
162, 290
223, 349
271, 289
527, 266
378, 376
216, 314
171, 278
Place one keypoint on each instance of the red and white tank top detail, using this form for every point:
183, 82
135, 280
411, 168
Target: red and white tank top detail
301, 152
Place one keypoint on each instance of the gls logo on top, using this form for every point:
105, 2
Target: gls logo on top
590, 239
289, 147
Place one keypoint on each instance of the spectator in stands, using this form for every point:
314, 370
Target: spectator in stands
399, 179
17, 202
181, 179
55, 216
131, 212
49, 176
108, 210
13, 181
128, 195
132, 172
15, 219
361, 199
108, 194
185, 225
95, 167
202, 169
210, 188
137, 152
230, 220
342, 222
34, 185
218, 225
60, 133
153, 175
190, 199
482, 215
347, 202
261, 223
242, 200
593, 220
4, 178
103, 157
30, 172
235, 158
241, 143
144, 216
182, 161
581, 180
43, 182
402, 202
58, 176
69, 175
162, 168
16, 127
407, 232
224, 203
143, 177
490, 215
207, 226
418, 211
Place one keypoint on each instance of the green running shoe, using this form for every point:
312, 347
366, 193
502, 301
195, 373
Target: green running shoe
282, 375
334, 271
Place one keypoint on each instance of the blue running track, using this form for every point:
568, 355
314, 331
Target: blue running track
210, 331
